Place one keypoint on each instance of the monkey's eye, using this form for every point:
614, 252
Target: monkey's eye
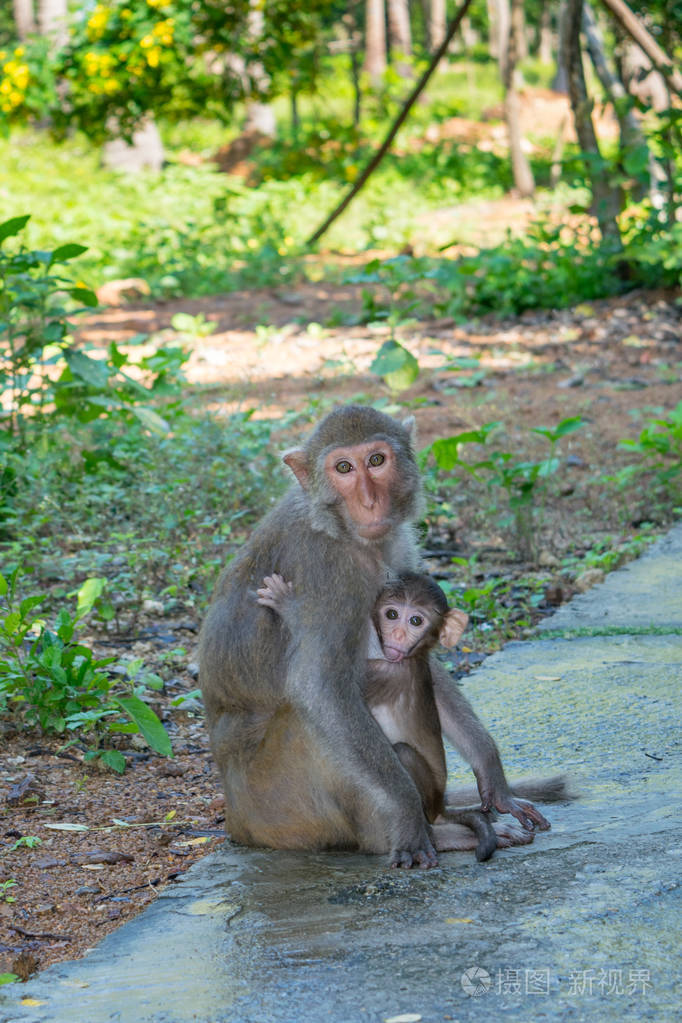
377, 459
343, 466
416, 620
392, 614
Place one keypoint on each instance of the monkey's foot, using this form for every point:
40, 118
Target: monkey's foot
423, 858
511, 834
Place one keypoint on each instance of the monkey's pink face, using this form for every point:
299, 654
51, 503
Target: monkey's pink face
363, 476
402, 627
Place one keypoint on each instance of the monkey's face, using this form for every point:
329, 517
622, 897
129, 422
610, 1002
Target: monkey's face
404, 628
364, 479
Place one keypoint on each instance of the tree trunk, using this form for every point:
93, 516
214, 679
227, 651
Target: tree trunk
523, 175
606, 201
631, 135
143, 152
399, 32
436, 23
499, 21
52, 21
546, 41
24, 18
375, 41
260, 117
637, 31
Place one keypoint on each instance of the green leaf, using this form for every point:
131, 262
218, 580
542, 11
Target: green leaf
148, 723
13, 226
151, 420
64, 252
398, 368
7, 978
112, 758
84, 295
88, 594
92, 371
3, 586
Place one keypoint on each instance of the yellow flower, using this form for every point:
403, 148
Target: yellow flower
156, 4
97, 22
147, 41
153, 56
20, 51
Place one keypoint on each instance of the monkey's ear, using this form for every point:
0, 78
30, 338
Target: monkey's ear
298, 463
410, 424
454, 624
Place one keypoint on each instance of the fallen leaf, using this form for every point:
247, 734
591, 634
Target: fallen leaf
202, 840
406, 1017
32, 1001
458, 920
547, 678
67, 827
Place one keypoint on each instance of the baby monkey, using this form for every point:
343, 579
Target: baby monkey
409, 617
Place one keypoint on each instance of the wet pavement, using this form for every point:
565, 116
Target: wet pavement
581, 925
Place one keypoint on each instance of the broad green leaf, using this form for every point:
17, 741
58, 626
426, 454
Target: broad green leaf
396, 366
84, 295
3, 586
92, 371
112, 758
148, 723
28, 604
13, 226
152, 420
87, 595
64, 252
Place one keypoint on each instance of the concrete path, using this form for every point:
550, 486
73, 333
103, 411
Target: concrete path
581, 925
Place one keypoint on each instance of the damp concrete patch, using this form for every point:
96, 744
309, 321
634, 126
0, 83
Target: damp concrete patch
645, 594
581, 925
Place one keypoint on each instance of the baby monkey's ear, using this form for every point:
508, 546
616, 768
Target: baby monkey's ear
454, 624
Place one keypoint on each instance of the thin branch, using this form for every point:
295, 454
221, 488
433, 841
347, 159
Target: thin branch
393, 131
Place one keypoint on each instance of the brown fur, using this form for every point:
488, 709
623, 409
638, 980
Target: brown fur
302, 761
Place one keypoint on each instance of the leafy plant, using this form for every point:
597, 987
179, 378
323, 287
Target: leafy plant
4, 889
33, 321
521, 480
660, 447
56, 682
26, 842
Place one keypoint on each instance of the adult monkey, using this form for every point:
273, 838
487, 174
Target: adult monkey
303, 763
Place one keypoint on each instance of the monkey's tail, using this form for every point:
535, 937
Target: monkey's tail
554, 789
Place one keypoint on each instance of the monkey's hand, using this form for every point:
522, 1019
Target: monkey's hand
525, 812
275, 592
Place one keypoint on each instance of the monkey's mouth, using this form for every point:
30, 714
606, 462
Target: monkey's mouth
393, 655
374, 530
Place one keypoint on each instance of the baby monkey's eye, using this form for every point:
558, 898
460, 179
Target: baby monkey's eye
416, 620
343, 467
377, 459
392, 614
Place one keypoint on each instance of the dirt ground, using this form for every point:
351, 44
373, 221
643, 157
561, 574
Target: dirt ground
109, 844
